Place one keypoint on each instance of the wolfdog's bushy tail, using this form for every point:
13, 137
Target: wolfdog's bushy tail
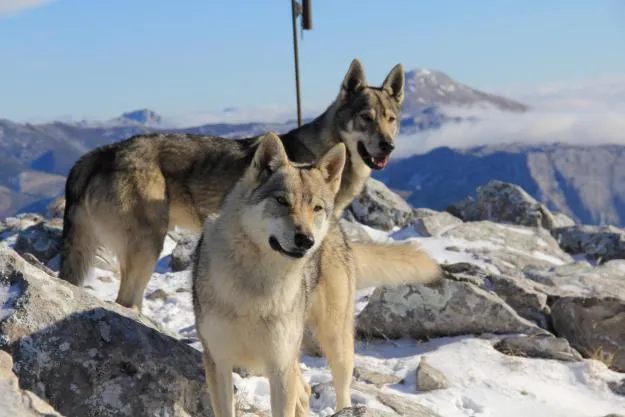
78, 243
393, 264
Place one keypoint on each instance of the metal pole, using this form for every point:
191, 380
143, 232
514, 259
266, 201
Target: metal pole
295, 13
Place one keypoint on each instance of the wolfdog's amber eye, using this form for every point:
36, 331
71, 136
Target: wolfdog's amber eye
392, 119
318, 208
367, 117
282, 200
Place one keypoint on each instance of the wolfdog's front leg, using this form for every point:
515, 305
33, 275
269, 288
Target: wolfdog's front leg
285, 385
225, 390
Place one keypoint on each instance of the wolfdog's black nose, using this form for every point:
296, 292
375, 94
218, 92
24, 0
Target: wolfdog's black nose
386, 146
304, 241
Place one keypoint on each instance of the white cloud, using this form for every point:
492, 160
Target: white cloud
265, 114
15, 6
589, 112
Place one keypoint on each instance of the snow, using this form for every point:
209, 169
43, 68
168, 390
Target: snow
483, 381
8, 293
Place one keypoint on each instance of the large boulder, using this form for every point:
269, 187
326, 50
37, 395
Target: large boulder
580, 279
362, 411
87, 357
594, 326
10, 226
508, 248
17, 402
600, 243
527, 298
428, 222
503, 203
451, 307
543, 346
43, 240
380, 208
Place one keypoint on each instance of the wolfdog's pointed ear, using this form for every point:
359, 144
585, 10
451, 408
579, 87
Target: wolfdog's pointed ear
394, 83
270, 154
331, 165
354, 79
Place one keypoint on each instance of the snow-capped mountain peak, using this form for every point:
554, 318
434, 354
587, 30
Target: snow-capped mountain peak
144, 117
428, 87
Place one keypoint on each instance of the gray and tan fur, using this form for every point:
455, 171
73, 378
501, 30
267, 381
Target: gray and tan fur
127, 195
275, 261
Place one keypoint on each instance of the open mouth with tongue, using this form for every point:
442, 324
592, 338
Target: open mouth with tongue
373, 162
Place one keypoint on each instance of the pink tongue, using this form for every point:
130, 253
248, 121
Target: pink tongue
380, 162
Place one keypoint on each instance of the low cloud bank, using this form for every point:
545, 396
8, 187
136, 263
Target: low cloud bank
580, 113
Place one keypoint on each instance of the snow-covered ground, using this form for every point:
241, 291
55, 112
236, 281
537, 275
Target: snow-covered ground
483, 381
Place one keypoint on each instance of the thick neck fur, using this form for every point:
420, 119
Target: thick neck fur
272, 280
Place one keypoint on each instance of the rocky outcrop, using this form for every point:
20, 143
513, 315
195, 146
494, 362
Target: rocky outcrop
42, 240
429, 222
538, 346
599, 243
12, 225
454, 306
362, 411
397, 403
430, 378
593, 326
503, 203
380, 208
526, 297
87, 357
580, 279
17, 402
561, 220
508, 248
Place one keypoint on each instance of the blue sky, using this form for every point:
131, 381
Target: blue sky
96, 59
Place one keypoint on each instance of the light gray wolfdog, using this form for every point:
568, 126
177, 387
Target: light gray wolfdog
127, 195
277, 260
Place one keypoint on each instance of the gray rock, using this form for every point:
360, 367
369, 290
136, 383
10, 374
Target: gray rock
503, 203
87, 357
431, 223
43, 240
397, 403
538, 346
17, 402
30, 258
527, 298
373, 377
581, 279
617, 387
510, 249
600, 243
380, 208
362, 411
561, 220
13, 225
453, 306
355, 231
183, 254
593, 326
430, 378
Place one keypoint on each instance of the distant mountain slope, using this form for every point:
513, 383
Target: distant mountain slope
426, 88
585, 182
